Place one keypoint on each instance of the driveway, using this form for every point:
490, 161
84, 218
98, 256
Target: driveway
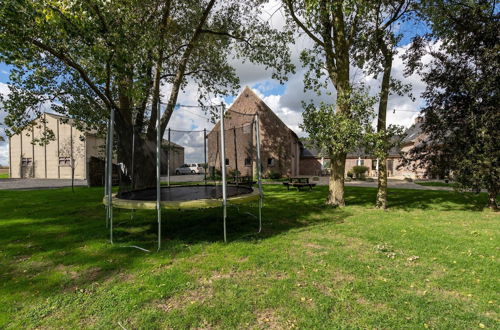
184, 178
28, 184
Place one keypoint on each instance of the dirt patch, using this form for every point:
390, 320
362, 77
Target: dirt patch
269, 319
373, 305
196, 296
218, 275
314, 246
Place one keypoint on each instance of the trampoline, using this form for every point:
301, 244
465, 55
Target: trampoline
184, 197
177, 197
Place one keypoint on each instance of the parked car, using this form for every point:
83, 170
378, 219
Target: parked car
192, 168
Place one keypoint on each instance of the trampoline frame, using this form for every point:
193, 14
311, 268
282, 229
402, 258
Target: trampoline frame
111, 200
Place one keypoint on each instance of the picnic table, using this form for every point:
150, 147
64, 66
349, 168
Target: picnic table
242, 180
299, 183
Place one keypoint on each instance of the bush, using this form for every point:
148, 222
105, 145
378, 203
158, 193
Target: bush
215, 174
350, 174
234, 173
360, 171
274, 175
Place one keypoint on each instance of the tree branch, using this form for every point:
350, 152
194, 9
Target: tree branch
71, 63
302, 25
227, 34
182, 67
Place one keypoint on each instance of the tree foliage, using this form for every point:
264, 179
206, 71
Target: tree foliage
462, 114
334, 27
86, 58
337, 132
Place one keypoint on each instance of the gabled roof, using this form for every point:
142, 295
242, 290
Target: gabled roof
249, 103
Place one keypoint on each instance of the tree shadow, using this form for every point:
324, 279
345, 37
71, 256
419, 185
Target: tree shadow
49, 232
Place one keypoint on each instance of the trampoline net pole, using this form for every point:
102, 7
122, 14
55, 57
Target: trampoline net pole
110, 174
158, 153
105, 174
168, 158
259, 167
223, 170
205, 166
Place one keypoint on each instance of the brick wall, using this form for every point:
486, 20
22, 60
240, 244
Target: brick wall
279, 145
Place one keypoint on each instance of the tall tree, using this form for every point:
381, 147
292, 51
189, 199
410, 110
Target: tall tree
375, 52
462, 115
90, 57
333, 26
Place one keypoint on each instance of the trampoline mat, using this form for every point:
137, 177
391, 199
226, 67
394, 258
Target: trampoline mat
185, 193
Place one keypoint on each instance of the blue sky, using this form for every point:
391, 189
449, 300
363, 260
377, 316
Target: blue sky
285, 100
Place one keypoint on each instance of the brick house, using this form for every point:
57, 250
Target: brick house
280, 146
53, 160
312, 162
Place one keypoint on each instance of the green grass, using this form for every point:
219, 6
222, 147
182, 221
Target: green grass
4, 175
435, 184
430, 261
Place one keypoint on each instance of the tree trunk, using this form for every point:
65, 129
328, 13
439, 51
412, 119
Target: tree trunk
381, 201
144, 155
336, 183
492, 200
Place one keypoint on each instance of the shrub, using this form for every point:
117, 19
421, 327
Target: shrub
360, 171
274, 175
234, 173
215, 174
350, 174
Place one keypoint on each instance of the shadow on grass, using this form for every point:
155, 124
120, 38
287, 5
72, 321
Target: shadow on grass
50, 232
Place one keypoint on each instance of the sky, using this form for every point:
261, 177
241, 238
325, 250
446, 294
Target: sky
284, 100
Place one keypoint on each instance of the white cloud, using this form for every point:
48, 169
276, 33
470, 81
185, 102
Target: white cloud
4, 146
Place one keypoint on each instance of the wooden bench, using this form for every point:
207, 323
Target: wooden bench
299, 183
242, 180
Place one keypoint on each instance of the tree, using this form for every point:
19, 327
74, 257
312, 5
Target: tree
70, 151
88, 58
334, 132
375, 52
333, 26
461, 117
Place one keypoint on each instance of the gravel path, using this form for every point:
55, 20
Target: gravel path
28, 184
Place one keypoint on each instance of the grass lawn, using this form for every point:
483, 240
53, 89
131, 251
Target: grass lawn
435, 184
431, 261
4, 175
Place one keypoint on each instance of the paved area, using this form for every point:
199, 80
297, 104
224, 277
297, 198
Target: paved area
184, 178
27, 184
323, 181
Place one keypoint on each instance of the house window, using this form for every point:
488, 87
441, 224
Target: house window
26, 161
247, 128
64, 161
360, 162
227, 161
270, 162
374, 164
248, 161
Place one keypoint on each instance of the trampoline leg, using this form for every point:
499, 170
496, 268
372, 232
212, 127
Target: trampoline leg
111, 225
159, 229
260, 214
224, 215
